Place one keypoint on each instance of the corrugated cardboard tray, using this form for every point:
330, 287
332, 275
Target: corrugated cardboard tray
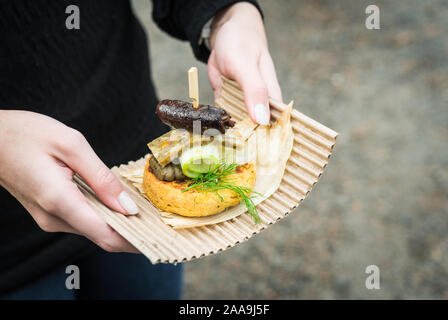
313, 145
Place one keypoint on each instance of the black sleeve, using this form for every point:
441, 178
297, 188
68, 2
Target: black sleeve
184, 19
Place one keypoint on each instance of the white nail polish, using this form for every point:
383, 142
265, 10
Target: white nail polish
127, 203
261, 114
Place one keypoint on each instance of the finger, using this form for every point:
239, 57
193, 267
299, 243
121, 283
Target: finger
255, 92
81, 158
269, 75
213, 74
75, 210
48, 222
62, 198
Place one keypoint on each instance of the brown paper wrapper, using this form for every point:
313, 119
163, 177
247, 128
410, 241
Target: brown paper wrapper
159, 242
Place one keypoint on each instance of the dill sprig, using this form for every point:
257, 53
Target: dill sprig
218, 179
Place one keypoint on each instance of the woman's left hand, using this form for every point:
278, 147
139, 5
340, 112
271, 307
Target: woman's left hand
239, 51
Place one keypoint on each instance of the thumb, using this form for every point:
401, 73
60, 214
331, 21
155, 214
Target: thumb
83, 160
213, 74
255, 94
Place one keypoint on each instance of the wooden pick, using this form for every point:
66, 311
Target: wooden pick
193, 85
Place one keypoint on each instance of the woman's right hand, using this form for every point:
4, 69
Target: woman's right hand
38, 158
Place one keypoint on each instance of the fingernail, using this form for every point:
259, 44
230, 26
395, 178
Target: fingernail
261, 114
127, 203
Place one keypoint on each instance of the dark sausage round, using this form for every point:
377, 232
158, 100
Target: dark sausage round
170, 172
181, 114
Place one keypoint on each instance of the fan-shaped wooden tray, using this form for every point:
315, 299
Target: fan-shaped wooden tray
313, 144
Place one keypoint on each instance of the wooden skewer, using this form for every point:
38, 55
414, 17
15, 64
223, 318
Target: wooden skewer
193, 86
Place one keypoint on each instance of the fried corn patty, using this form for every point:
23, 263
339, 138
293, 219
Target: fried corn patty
168, 196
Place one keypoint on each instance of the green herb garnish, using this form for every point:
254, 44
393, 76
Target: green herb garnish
218, 179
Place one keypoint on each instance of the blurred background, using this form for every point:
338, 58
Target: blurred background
383, 199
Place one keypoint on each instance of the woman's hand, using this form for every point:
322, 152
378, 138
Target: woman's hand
240, 52
38, 157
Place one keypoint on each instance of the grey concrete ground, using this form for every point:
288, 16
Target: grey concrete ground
384, 197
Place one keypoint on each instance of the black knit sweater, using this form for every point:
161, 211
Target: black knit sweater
95, 79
